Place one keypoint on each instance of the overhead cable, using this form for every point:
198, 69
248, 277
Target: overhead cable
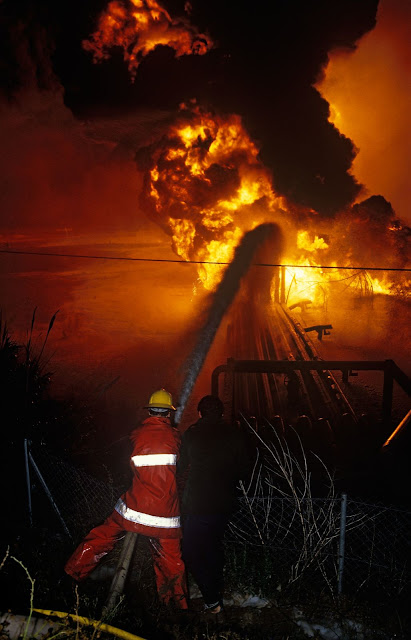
211, 262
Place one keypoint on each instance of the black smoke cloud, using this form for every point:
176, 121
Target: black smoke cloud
265, 61
371, 234
270, 64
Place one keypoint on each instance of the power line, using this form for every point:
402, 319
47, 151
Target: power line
170, 260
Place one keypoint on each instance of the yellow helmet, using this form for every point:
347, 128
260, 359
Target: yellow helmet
160, 399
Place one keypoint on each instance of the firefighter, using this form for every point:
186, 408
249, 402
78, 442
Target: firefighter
213, 460
149, 507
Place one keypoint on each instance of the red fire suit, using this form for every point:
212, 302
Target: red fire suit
150, 507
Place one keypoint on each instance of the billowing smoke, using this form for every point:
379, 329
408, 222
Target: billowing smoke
268, 66
221, 301
261, 68
371, 234
82, 172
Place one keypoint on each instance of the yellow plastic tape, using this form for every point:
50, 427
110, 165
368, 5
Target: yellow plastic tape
107, 628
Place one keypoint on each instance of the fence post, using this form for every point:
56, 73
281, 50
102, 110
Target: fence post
26, 463
341, 550
387, 392
48, 494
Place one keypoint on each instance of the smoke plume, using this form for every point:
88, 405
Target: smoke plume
370, 96
261, 69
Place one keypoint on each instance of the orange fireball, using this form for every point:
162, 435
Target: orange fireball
207, 187
138, 27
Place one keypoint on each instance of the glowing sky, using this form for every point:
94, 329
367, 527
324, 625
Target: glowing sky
370, 93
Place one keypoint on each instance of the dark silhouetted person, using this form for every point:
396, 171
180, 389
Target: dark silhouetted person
213, 457
149, 507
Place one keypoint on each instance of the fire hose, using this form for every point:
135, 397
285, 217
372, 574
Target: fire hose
223, 297
101, 626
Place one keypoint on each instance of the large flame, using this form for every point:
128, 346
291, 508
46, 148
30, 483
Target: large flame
207, 187
138, 27
368, 92
367, 234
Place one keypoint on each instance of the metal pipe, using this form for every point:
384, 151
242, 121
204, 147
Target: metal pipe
282, 294
402, 424
282, 366
289, 289
276, 285
341, 551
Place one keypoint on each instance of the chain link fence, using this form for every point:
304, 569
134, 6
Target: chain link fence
273, 544
341, 544
80, 501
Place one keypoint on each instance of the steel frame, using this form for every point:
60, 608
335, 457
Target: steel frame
348, 368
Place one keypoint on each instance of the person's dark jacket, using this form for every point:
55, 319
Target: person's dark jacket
213, 458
